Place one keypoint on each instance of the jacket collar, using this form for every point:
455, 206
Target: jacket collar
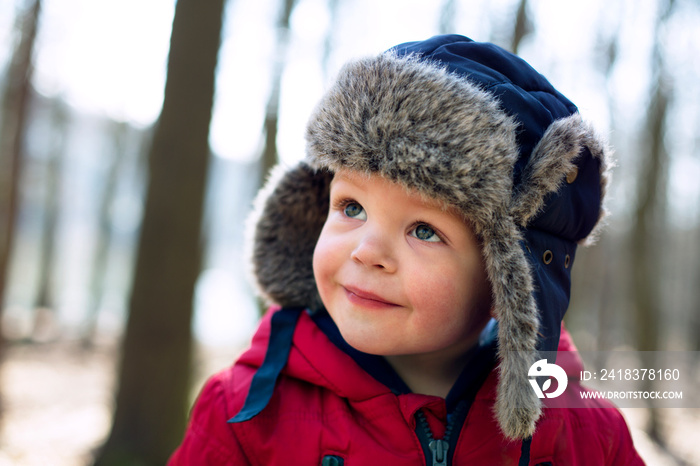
318, 355
478, 362
314, 359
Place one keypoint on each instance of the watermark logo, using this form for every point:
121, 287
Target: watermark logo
543, 369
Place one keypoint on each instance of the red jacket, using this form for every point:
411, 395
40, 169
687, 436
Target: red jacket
325, 405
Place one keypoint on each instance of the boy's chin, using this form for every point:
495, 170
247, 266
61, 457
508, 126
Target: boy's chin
380, 346
368, 342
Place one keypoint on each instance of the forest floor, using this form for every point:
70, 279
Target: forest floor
57, 398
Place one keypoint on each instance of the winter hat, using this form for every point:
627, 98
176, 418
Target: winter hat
475, 126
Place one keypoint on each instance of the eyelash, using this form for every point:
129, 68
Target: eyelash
341, 204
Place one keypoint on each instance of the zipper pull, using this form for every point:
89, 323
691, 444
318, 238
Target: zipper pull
439, 449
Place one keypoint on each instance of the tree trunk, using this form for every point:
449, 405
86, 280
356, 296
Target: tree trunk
44, 306
649, 220
15, 100
154, 374
522, 27
119, 133
269, 155
448, 11
328, 40
609, 278
693, 330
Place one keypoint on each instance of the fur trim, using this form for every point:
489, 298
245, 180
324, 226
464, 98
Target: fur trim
288, 217
416, 124
599, 148
517, 406
552, 159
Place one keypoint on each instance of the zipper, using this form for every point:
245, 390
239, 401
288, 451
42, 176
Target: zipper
438, 451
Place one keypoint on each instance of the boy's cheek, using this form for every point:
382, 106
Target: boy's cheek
322, 276
321, 259
331, 243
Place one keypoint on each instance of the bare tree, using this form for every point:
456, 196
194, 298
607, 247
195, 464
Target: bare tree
269, 154
649, 219
119, 132
15, 100
154, 373
694, 315
607, 273
333, 8
447, 17
44, 305
522, 26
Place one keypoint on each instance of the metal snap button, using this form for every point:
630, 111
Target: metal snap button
547, 257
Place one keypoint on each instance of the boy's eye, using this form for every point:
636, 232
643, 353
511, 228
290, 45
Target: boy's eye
425, 233
355, 210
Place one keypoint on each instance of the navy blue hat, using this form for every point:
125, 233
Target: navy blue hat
476, 127
569, 214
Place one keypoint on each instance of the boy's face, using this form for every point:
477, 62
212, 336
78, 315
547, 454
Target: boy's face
398, 274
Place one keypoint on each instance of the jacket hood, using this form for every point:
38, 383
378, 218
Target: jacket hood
472, 125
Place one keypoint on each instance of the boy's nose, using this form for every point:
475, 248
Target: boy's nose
375, 250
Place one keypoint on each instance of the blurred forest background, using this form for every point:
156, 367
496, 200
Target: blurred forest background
134, 135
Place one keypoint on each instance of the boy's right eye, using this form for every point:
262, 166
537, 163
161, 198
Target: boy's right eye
354, 210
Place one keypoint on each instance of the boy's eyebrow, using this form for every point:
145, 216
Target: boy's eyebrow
336, 180
353, 179
350, 175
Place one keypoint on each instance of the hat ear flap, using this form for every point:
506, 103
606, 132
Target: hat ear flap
284, 227
551, 161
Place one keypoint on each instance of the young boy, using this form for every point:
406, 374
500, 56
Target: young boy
419, 259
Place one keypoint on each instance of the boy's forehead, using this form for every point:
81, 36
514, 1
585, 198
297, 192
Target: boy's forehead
352, 176
359, 179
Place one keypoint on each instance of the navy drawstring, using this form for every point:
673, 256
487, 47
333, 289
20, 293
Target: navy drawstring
261, 387
525, 452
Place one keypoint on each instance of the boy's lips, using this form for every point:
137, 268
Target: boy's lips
366, 298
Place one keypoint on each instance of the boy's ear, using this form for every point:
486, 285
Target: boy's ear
283, 230
553, 160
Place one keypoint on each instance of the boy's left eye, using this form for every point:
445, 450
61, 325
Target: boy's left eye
354, 210
425, 233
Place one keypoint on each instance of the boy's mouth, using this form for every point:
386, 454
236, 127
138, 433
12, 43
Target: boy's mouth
366, 298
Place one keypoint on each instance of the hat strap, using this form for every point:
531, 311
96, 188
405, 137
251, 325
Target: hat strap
282, 328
